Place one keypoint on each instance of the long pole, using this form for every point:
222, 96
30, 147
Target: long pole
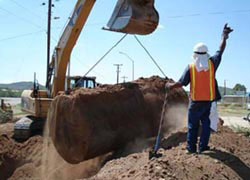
225, 87
118, 72
133, 71
48, 36
124, 78
131, 61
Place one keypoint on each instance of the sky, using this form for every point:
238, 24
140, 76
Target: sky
183, 23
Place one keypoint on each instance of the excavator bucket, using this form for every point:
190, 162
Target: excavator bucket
134, 17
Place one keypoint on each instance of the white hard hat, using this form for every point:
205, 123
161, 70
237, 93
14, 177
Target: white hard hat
200, 48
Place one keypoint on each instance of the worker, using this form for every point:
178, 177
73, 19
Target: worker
203, 91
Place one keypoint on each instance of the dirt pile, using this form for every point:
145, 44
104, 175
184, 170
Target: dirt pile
31, 160
91, 122
19, 160
229, 158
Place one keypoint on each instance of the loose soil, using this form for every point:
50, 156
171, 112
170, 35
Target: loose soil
229, 158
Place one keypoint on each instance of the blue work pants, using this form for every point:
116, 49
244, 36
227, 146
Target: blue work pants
198, 111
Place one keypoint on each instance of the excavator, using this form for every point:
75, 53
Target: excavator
129, 16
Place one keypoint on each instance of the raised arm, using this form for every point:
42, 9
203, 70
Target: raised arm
225, 34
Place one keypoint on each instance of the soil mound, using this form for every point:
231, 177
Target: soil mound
229, 158
19, 160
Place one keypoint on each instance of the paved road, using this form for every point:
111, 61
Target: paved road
235, 121
12, 101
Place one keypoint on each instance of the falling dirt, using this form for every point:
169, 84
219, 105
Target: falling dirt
54, 167
175, 118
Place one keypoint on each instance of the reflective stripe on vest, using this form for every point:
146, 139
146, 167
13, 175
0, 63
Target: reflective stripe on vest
202, 86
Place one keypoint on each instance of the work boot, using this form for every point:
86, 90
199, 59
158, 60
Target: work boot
190, 151
204, 149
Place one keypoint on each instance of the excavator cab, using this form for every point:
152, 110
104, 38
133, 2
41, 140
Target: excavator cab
134, 17
79, 81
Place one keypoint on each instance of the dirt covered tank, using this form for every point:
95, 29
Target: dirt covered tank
91, 122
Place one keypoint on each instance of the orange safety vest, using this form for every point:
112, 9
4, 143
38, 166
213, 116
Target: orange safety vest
202, 86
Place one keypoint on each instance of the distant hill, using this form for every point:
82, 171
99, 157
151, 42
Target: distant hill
20, 86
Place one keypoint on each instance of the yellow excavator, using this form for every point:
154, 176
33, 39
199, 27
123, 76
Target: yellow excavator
129, 16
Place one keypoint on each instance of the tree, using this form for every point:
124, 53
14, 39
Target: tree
239, 87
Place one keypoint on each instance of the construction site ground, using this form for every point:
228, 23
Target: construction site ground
229, 158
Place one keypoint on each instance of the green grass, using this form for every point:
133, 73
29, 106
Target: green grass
232, 110
242, 130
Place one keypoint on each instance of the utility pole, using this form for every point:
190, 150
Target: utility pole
118, 72
225, 88
124, 78
131, 61
48, 36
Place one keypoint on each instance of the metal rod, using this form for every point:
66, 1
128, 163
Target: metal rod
104, 56
150, 56
225, 87
118, 72
132, 63
48, 37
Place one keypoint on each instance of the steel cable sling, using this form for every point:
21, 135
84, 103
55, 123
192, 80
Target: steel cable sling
150, 56
104, 55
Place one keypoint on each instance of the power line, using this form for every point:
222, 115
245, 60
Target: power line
210, 13
30, 22
21, 6
21, 35
24, 19
24, 55
27, 34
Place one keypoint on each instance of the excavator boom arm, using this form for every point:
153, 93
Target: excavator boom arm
68, 40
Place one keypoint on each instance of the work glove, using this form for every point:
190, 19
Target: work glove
226, 31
